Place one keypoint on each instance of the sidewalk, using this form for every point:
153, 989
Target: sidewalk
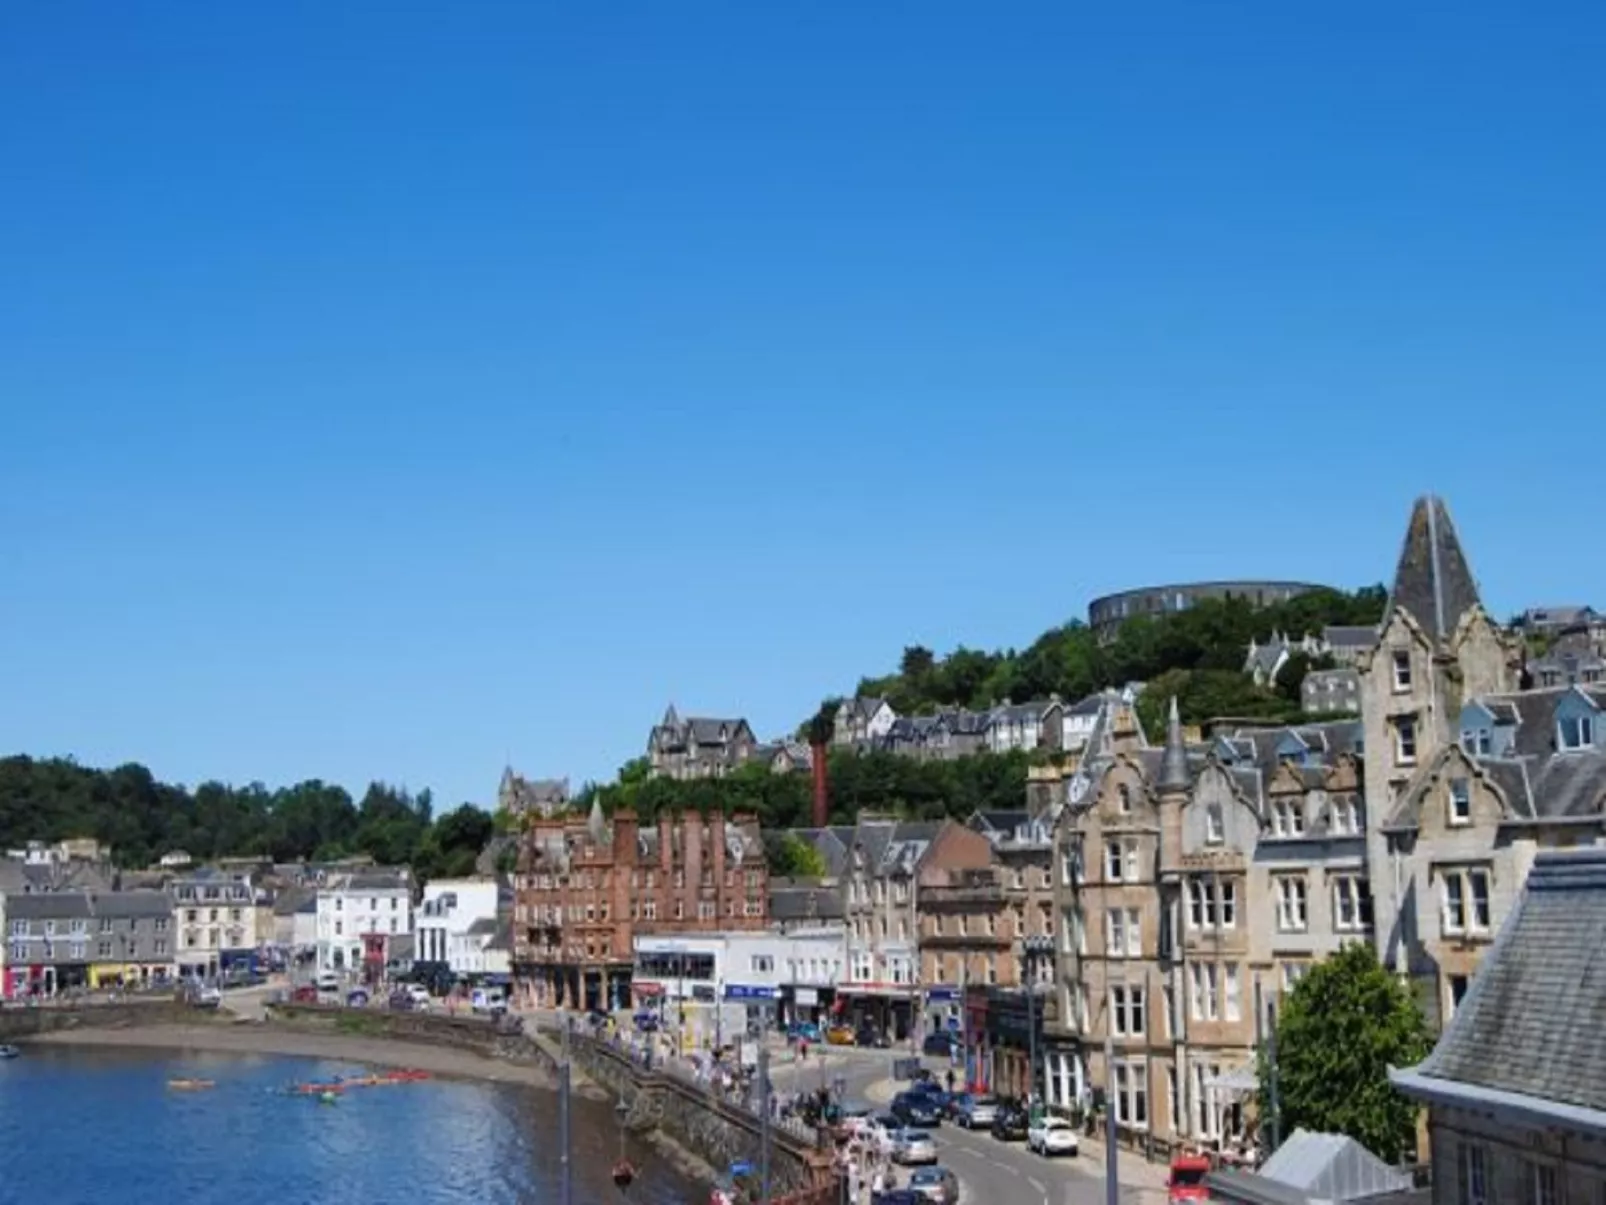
1142, 1182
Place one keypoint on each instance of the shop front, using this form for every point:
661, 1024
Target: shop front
129, 975
804, 1005
887, 1008
944, 1011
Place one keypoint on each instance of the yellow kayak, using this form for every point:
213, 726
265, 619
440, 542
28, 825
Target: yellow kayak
190, 1085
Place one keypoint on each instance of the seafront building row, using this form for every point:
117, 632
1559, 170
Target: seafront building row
72, 922
1163, 894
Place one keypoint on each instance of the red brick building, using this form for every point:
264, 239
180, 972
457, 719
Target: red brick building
587, 886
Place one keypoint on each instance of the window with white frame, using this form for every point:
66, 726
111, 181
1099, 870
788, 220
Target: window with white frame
1212, 903
1132, 1094
1197, 895
1292, 973
1460, 801
1123, 934
1288, 817
1474, 1169
1173, 1101
1345, 816
1352, 907
1405, 740
1204, 993
1215, 825
1293, 899
1126, 1011
1541, 1183
1227, 890
1121, 861
1466, 901
1231, 1006
1575, 732
1402, 670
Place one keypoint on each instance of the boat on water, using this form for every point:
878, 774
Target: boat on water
190, 1085
318, 1089
9, 1051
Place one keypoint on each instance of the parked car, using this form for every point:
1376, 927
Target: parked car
911, 1146
1051, 1136
803, 1031
937, 1185
418, 994
871, 1037
1010, 1124
852, 1119
916, 1109
878, 1131
897, 1196
327, 981
976, 1112
305, 994
840, 1035
940, 1044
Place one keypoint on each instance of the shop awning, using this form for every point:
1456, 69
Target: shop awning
1243, 1080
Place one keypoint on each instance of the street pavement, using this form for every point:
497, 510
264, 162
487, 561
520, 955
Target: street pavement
987, 1170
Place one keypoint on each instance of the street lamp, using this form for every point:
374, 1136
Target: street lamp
1032, 949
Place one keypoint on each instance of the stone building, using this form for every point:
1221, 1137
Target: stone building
586, 887
519, 796
698, 746
882, 859
1516, 1087
1437, 647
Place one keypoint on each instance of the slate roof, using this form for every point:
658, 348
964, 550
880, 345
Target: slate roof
131, 905
804, 901
1530, 1024
1349, 636
485, 926
374, 881
1432, 583
49, 905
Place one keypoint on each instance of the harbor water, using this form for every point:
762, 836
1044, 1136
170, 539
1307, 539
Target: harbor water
80, 1127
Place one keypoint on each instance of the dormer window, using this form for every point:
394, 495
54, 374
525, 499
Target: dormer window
1288, 817
1477, 741
1215, 829
1402, 671
1575, 732
1124, 797
1460, 801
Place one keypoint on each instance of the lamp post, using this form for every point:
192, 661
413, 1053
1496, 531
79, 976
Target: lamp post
1032, 949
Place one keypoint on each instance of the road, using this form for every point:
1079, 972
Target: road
988, 1170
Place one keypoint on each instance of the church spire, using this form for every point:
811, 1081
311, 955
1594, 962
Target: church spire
1433, 583
1174, 761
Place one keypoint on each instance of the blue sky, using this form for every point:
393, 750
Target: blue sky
397, 393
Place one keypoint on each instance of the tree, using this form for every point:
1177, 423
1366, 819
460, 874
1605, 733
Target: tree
1341, 1029
790, 856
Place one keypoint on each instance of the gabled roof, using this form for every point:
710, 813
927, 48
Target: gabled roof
1527, 1035
1432, 583
1314, 1169
1351, 636
131, 905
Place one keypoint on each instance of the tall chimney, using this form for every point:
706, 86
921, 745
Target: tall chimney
822, 793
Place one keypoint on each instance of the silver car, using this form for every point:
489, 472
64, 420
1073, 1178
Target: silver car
977, 1112
937, 1184
913, 1146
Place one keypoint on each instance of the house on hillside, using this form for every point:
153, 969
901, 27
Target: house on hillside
698, 746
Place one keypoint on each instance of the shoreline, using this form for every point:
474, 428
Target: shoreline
287, 1043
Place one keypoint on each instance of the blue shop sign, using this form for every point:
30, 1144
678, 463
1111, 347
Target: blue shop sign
941, 995
741, 991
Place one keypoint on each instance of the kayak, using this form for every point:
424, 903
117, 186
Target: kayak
190, 1085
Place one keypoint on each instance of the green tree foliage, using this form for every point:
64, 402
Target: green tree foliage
1207, 643
1343, 1026
141, 818
868, 782
790, 856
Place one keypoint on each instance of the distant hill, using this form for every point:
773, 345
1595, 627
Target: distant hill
1197, 654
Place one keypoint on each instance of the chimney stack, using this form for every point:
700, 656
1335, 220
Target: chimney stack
821, 786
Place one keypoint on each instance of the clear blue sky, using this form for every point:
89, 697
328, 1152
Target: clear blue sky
388, 393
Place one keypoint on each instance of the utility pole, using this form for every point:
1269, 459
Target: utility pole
764, 1123
1112, 1177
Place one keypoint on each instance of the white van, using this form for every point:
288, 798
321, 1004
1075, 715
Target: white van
489, 1000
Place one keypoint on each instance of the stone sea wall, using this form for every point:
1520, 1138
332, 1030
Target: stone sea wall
18, 1022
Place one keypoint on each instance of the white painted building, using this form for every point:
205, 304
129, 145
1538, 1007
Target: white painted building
757, 973
456, 926
359, 915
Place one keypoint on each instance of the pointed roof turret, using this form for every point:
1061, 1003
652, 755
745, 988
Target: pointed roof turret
1433, 583
1174, 761
596, 823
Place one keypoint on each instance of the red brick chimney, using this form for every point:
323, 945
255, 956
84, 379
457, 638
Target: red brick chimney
822, 792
